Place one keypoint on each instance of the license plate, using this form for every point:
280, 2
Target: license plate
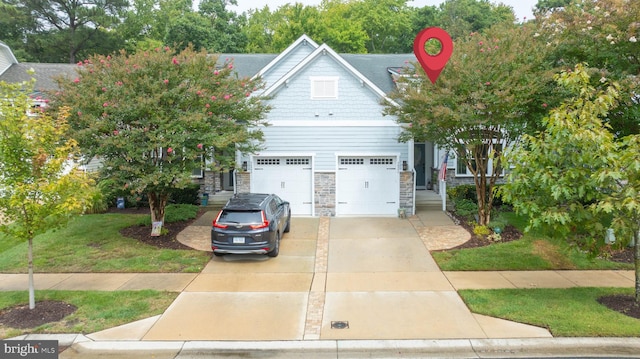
238, 240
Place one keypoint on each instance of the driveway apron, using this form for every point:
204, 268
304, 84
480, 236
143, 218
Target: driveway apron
335, 278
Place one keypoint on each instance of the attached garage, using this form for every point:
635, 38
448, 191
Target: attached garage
367, 185
290, 177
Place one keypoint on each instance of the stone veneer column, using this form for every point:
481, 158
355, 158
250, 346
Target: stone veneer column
243, 182
406, 192
325, 193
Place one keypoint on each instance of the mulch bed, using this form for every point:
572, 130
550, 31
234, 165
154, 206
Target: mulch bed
47, 311
143, 233
509, 233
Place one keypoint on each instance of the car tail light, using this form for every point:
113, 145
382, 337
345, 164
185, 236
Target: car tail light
264, 223
218, 225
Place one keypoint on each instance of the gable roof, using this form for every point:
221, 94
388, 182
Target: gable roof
6, 57
303, 40
45, 74
371, 69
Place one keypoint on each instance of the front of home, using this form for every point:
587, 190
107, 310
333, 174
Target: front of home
328, 149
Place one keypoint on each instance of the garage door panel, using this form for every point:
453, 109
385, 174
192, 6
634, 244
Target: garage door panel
288, 177
367, 186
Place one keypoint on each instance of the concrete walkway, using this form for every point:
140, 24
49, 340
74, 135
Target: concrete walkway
335, 279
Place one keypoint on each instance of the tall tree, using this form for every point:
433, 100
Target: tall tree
152, 116
39, 188
604, 34
77, 21
462, 17
341, 29
480, 104
574, 176
387, 24
226, 26
15, 23
292, 21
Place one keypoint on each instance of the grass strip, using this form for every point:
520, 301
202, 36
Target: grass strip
97, 310
572, 312
93, 243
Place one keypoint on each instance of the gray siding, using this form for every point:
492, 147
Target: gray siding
325, 142
354, 102
286, 64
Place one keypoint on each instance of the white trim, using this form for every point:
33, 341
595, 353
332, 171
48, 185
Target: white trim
304, 39
332, 123
323, 50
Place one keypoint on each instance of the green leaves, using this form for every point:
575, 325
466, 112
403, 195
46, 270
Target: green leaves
152, 117
39, 186
575, 176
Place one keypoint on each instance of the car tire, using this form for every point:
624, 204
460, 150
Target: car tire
276, 249
218, 254
288, 227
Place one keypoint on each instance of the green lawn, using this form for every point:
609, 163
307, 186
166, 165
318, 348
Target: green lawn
96, 310
92, 243
533, 251
572, 312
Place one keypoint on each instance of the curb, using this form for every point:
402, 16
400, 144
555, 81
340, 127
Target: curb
81, 346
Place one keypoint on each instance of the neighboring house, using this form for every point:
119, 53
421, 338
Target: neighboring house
329, 149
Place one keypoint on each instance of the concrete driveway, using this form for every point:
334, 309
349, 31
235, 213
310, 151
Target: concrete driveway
335, 278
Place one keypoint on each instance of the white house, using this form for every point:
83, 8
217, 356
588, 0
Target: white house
328, 149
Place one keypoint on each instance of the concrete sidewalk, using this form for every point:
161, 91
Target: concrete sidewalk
338, 284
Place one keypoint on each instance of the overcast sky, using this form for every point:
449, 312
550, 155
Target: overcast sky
522, 8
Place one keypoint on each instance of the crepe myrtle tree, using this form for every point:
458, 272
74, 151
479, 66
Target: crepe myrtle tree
40, 188
151, 117
491, 91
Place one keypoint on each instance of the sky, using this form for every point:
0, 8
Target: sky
522, 8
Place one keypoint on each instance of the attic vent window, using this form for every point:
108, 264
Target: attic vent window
324, 87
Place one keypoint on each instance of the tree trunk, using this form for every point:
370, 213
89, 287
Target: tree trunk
636, 261
157, 204
32, 293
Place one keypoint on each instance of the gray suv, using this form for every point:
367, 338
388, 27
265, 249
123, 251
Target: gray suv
251, 223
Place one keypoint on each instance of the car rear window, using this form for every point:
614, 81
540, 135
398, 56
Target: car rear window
243, 217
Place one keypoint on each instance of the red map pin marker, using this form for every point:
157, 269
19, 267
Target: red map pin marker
433, 64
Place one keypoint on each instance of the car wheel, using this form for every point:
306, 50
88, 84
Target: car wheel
276, 249
288, 227
218, 254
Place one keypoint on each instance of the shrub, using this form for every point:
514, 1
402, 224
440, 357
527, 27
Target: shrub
465, 208
187, 195
481, 231
176, 213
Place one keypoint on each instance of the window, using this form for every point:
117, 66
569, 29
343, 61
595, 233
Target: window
268, 161
486, 151
324, 87
198, 170
352, 161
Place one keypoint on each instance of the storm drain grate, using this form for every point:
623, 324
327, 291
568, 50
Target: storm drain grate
340, 325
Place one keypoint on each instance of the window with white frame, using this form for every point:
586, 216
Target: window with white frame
324, 87
486, 151
198, 170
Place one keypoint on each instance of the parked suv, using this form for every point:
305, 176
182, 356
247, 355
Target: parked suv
251, 223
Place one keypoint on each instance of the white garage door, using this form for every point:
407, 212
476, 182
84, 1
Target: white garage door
367, 185
288, 177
